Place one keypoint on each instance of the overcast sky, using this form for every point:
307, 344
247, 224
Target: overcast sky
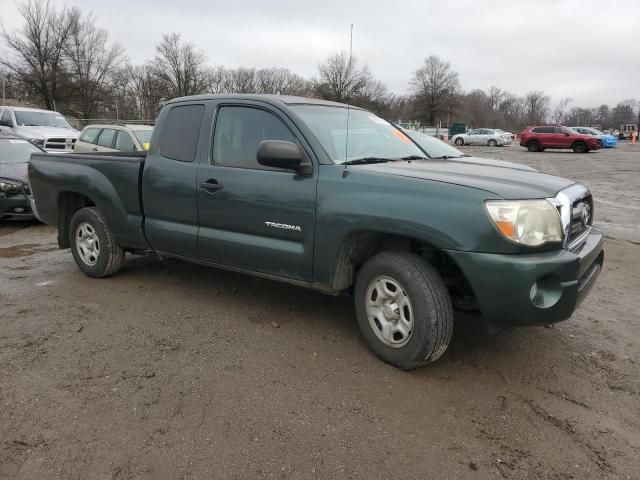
587, 50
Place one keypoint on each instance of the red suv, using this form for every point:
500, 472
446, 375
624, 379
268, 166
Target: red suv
536, 139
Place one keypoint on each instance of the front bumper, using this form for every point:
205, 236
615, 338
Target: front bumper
17, 205
533, 289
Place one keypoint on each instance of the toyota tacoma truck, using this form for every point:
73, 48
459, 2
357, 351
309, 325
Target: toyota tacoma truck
332, 197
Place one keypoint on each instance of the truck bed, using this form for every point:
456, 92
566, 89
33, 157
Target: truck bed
110, 181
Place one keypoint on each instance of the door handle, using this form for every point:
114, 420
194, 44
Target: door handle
211, 185
94, 149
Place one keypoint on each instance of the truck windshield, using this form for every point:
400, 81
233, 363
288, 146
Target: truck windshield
434, 147
26, 118
369, 136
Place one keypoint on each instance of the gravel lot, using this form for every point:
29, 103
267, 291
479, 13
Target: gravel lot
170, 371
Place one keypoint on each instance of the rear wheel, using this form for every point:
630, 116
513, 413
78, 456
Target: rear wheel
93, 247
492, 143
580, 147
533, 146
403, 309
459, 142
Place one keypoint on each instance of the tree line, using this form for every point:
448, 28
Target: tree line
61, 59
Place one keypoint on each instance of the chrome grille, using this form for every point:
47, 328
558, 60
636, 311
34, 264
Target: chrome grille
59, 143
581, 218
575, 206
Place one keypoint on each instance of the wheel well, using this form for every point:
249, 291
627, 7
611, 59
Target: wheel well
68, 204
361, 246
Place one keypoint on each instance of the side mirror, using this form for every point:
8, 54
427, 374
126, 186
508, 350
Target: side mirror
281, 154
566, 134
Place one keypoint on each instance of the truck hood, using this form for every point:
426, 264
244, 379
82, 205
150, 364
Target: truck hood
46, 132
492, 162
502, 180
14, 171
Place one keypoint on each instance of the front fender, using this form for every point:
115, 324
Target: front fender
443, 215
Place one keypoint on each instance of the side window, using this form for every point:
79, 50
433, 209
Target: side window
106, 138
473, 132
124, 142
559, 130
180, 132
239, 131
90, 135
6, 117
543, 130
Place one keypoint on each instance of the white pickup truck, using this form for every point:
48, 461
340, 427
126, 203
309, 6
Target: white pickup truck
44, 128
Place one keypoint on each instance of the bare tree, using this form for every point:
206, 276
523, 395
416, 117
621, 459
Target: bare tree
89, 61
280, 81
536, 105
37, 49
558, 112
179, 66
435, 86
341, 78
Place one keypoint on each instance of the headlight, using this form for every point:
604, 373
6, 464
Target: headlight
10, 186
37, 141
529, 222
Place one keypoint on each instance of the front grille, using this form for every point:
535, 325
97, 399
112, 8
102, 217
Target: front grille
58, 143
581, 218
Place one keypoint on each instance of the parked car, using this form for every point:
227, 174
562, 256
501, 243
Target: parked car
276, 187
14, 186
481, 136
606, 140
114, 138
437, 149
44, 128
539, 138
506, 134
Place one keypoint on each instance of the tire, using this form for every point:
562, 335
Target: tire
459, 142
579, 147
492, 143
533, 146
97, 254
429, 308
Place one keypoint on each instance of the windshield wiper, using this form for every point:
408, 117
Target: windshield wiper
365, 160
447, 157
414, 157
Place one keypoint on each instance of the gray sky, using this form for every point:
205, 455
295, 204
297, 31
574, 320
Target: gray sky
584, 49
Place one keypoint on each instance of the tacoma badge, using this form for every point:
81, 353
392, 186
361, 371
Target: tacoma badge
283, 226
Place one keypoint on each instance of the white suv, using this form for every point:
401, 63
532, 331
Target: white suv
44, 128
114, 138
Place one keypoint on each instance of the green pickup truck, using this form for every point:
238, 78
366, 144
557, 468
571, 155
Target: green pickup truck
333, 198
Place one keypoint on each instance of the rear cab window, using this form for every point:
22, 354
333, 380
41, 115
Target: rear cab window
106, 138
181, 132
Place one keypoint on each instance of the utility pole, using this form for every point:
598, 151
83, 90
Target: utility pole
4, 96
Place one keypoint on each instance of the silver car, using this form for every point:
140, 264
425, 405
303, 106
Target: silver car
114, 138
482, 136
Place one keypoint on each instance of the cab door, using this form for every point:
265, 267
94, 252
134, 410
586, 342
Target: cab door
250, 216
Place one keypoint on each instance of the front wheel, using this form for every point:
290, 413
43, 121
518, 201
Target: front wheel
492, 143
580, 147
92, 244
459, 142
403, 309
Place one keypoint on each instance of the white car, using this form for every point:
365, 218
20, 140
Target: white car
114, 138
482, 136
44, 128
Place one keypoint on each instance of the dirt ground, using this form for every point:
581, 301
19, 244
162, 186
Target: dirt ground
175, 371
